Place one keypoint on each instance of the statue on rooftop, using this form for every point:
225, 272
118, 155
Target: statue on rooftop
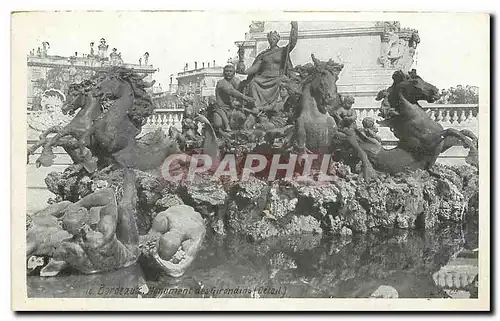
114, 57
45, 48
103, 48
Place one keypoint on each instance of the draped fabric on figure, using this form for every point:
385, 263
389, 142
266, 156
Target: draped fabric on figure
269, 69
264, 87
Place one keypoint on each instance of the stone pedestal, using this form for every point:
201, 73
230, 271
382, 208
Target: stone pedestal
364, 83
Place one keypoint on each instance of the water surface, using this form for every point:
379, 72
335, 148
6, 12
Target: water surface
296, 266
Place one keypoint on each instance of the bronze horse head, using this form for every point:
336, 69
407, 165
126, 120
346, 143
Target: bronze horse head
322, 77
412, 87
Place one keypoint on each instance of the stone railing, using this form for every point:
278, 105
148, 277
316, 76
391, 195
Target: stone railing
448, 115
458, 116
83, 63
463, 115
454, 116
164, 118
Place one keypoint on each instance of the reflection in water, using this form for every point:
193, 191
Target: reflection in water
299, 266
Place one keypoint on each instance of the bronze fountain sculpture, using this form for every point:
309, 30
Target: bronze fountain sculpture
113, 210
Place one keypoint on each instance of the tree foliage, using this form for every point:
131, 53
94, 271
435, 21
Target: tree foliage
459, 95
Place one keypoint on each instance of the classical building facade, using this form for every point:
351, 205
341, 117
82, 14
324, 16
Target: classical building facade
200, 80
53, 74
50, 75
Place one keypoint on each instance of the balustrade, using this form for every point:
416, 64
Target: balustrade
455, 116
448, 115
458, 116
164, 118
463, 115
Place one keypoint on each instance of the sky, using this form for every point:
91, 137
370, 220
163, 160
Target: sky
452, 49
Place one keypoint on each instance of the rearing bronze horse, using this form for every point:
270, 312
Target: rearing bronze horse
79, 97
315, 130
421, 139
126, 106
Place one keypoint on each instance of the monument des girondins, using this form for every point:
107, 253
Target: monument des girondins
313, 169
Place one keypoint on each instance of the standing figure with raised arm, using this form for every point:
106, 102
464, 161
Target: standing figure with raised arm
269, 69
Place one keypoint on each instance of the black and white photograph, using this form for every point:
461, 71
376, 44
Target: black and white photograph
270, 157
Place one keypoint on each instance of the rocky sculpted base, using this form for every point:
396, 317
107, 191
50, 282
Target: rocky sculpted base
260, 209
